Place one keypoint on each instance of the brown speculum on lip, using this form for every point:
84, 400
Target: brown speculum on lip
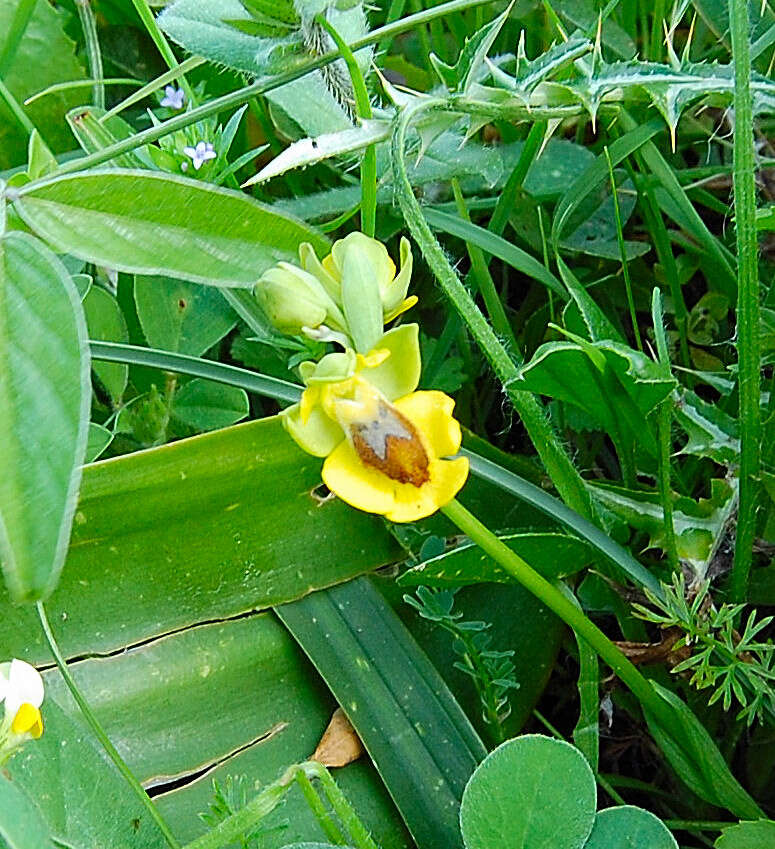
390, 443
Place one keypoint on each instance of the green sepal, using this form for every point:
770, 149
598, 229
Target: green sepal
318, 436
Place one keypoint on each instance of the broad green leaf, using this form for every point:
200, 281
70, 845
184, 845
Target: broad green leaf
533, 792
697, 760
146, 223
628, 827
205, 405
105, 322
45, 55
230, 698
712, 432
98, 440
418, 737
614, 384
599, 326
181, 317
748, 835
81, 796
552, 554
697, 524
44, 408
227, 502
21, 823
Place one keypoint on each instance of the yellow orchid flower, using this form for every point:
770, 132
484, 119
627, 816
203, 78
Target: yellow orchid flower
386, 445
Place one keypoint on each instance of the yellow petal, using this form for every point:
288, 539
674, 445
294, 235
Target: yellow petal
405, 305
344, 474
431, 413
446, 480
28, 720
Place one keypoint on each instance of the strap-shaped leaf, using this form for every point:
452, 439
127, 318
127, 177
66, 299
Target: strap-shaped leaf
418, 737
44, 409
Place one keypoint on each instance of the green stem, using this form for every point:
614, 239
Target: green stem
358, 832
15, 33
623, 253
93, 53
484, 281
315, 804
559, 604
162, 45
748, 341
363, 111
99, 732
559, 467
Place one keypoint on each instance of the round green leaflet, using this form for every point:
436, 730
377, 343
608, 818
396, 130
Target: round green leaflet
532, 792
629, 827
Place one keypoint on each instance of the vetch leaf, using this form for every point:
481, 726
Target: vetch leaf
147, 223
181, 317
44, 408
99, 439
205, 405
628, 827
533, 792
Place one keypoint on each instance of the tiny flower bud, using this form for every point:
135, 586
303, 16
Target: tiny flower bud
293, 300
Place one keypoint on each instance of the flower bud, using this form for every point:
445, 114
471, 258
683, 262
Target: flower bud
293, 299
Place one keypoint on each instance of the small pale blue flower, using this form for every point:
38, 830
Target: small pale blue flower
173, 97
200, 154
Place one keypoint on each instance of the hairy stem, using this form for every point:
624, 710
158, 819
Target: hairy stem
559, 467
748, 343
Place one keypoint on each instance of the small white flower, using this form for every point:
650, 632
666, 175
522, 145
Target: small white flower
173, 97
21, 689
200, 154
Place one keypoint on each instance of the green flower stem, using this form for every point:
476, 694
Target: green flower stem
559, 604
93, 52
15, 33
359, 834
363, 110
261, 86
99, 732
559, 467
162, 45
748, 342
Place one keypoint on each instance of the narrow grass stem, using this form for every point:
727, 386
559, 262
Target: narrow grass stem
565, 609
162, 45
623, 253
99, 732
315, 804
558, 464
363, 111
15, 109
93, 52
748, 341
